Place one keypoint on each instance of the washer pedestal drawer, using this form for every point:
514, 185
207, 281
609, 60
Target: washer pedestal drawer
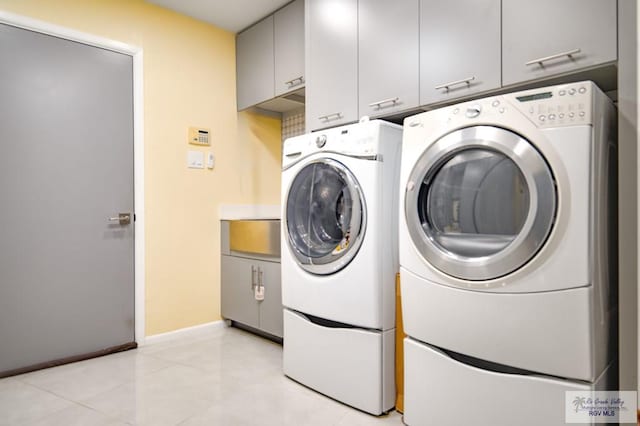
352, 365
440, 390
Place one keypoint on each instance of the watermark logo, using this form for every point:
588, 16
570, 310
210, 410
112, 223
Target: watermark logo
600, 407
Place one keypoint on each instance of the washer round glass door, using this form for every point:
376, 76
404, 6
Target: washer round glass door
480, 203
325, 216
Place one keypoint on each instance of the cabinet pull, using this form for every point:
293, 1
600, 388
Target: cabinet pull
541, 61
292, 83
253, 277
446, 86
260, 277
379, 104
326, 118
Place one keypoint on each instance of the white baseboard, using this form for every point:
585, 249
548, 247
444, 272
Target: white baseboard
196, 330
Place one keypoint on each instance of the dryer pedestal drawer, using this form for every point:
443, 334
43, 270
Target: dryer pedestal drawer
353, 365
442, 391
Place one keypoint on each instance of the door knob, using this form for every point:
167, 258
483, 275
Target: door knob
122, 218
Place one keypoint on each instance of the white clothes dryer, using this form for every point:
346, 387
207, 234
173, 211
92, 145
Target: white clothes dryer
339, 260
507, 242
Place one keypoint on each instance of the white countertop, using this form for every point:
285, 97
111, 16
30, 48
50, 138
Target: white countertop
249, 211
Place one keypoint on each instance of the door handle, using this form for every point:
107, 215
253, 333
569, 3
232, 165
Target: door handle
253, 277
378, 105
446, 86
541, 61
292, 83
122, 218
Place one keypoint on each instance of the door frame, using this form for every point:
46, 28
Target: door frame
138, 142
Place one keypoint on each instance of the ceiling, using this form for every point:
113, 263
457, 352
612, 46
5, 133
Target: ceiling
233, 15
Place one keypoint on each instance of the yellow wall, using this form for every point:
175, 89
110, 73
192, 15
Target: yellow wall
189, 80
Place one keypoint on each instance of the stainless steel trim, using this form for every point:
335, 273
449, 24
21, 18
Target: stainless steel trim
253, 277
384, 101
291, 82
255, 236
446, 86
537, 225
367, 157
540, 61
334, 262
326, 118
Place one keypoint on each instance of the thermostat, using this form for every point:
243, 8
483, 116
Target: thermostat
198, 136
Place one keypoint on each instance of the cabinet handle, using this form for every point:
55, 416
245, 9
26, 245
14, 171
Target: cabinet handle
253, 277
446, 86
541, 61
379, 104
292, 83
326, 118
260, 277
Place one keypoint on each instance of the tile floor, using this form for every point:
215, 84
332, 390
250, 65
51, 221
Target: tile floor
227, 377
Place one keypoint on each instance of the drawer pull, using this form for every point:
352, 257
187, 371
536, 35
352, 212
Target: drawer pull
379, 104
541, 61
446, 86
326, 118
295, 82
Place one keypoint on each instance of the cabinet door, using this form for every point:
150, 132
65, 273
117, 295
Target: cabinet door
459, 48
331, 30
552, 30
271, 306
289, 47
254, 64
388, 55
238, 300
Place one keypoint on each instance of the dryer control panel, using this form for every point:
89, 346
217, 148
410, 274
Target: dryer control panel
556, 106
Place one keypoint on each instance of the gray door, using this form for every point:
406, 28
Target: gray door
271, 307
388, 56
239, 279
254, 61
331, 63
549, 37
66, 168
459, 48
288, 49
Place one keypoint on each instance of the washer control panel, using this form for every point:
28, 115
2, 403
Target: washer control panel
356, 140
562, 105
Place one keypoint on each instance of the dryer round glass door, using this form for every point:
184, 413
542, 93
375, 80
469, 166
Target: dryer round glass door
480, 203
325, 216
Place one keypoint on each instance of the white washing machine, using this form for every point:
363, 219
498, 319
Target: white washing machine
339, 261
507, 233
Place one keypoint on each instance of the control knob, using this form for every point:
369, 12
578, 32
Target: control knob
321, 141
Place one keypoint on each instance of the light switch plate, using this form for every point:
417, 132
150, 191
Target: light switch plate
195, 159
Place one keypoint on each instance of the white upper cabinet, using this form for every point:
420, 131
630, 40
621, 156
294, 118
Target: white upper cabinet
547, 37
388, 56
289, 47
331, 28
254, 64
459, 48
